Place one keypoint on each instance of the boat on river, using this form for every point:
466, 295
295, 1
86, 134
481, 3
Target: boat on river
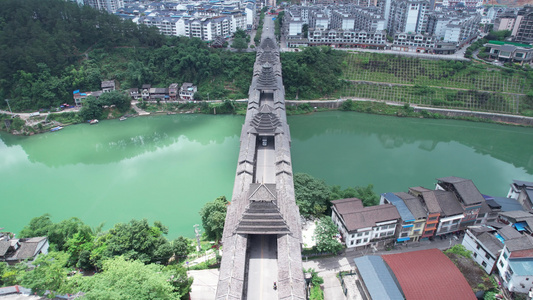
56, 128
122, 118
94, 121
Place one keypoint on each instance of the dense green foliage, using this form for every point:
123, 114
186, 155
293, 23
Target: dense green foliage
459, 250
325, 236
316, 292
51, 48
40, 41
312, 73
123, 255
240, 40
364, 193
312, 195
130, 279
213, 218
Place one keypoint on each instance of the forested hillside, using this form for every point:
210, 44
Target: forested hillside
49, 48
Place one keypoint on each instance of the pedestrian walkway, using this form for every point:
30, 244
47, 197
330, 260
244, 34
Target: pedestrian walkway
204, 286
139, 111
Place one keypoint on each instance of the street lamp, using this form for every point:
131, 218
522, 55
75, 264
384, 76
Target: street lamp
7, 100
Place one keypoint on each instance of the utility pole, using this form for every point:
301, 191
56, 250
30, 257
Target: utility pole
197, 231
7, 100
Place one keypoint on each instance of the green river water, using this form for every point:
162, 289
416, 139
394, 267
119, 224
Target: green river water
167, 167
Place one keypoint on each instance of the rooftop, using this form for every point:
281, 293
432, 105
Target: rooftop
403, 210
413, 203
356, 217
465, 188
378, 279
428, 274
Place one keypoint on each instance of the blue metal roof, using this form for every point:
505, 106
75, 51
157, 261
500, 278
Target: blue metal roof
522, 266
403, 210
520, 226
377, 278
508, 204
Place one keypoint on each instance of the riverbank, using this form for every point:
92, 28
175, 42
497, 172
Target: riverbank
409, 110
30, 124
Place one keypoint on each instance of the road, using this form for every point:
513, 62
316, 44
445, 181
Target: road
262, 267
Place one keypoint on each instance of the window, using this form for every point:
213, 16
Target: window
351, 243
365, 240
418, 225
501, 263
487, 255
478, 247
475, 254
484, 264
358, 241
505, 254
392, 226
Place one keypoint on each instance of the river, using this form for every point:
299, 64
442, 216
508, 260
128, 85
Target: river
167, 167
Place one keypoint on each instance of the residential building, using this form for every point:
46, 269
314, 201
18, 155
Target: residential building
187, 91
431, 205
419, 213
505, 204
350, 38
134, 93
159, 94
485, 246
173, 91
523, 192
515, 264
318, 20
468, 195
145, 91
14, 251
409, 16
108, 86
361, 226
108, 5
342, 20
523, 32
520, 220
413, 42
407, 220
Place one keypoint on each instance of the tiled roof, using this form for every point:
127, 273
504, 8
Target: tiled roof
508, 232
4, 246
520, 183
448, 202
466, 189
431, 202
366, 216
520, 247
348, 205
518, 215
428, 274
413, 203
378, 279
491, 242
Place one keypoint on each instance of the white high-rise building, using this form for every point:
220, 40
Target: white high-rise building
109, 5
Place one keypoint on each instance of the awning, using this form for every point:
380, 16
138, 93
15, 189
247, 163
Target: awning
403, 239
520, 226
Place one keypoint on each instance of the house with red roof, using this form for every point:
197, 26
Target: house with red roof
361, 226
428, 274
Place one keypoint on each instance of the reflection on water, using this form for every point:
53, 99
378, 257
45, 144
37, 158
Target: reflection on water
167, 167
394, 153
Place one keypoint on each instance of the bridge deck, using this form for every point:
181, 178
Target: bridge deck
262, 233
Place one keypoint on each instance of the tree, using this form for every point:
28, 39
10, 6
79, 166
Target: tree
366, 194
213, 218
178, 279
125, 279
181, 247
38, 226
50, 274
239, 43
325, 233
137, 240
312, 195
120, 100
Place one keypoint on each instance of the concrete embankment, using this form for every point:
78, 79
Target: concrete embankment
452, 113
